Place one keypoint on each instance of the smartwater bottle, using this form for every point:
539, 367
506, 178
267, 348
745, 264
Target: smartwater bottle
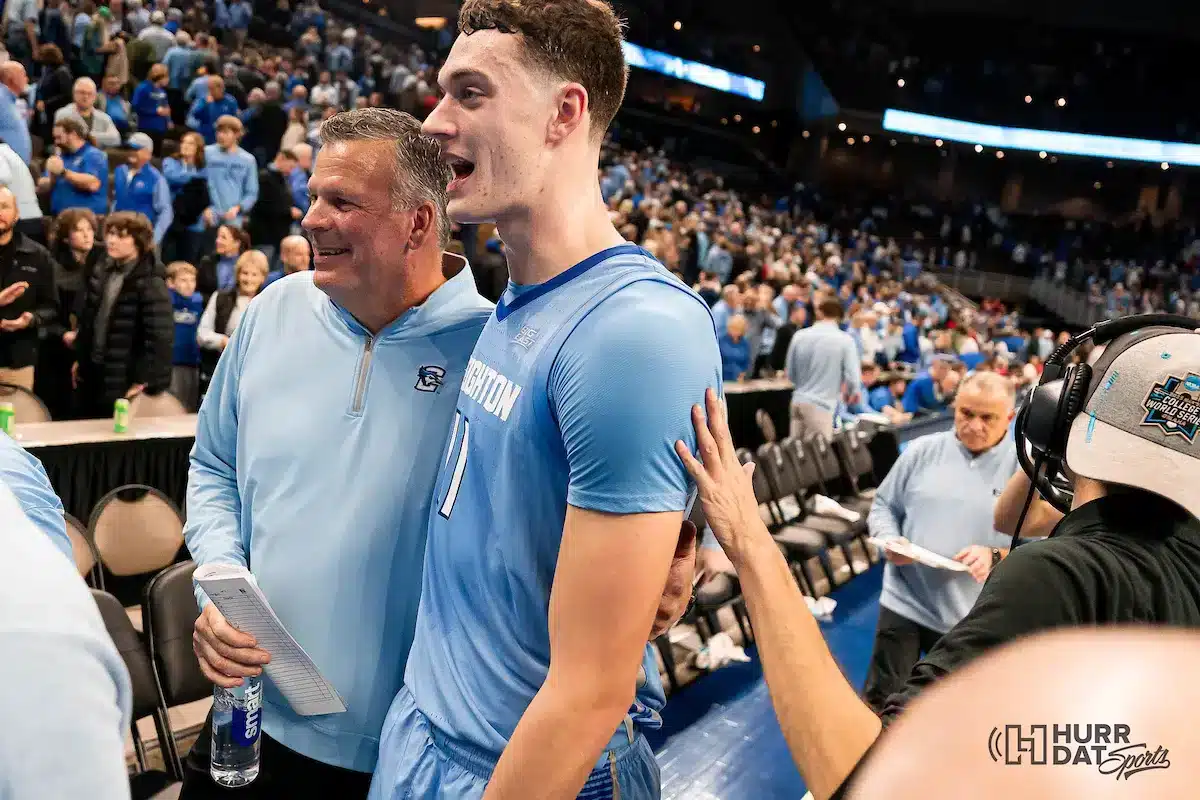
237, 722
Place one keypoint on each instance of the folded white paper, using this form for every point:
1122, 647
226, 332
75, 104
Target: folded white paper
917, 553
235, 593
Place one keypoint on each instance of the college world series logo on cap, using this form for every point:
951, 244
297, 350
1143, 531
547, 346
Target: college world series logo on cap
1174, 406
1140, 426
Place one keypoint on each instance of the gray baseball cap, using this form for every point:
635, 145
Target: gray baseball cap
1141, 420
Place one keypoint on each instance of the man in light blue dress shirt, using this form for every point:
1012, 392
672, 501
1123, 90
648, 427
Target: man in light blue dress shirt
822, 363
940, 495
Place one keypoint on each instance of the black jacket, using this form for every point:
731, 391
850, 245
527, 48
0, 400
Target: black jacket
271, 217
189, 203
264, 130
141, 333
25, 260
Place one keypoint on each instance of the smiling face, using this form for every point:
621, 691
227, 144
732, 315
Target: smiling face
492, 125
358, 236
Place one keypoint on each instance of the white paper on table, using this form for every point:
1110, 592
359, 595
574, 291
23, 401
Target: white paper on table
917, 553
235, 593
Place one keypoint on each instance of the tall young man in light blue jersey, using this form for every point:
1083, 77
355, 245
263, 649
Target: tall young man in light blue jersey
318, 445
559, 501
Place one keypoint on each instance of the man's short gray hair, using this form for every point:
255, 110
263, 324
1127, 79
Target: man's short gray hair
990, 383
421, 175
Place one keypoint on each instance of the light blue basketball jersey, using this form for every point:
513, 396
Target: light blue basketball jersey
576, 392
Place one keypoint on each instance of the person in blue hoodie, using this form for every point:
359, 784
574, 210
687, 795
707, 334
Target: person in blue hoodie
207, 111
318, 445
188, 305
232, 176
138, 186
152, 106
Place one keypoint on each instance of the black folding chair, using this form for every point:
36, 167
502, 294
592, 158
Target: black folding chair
146, 701
169, 615
773, 480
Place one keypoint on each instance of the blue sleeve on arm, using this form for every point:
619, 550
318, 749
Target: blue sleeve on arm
193, 115
623, 386
887, 509
214, 503
913, 400
250, 189
163, 210
853, 369
26, 478
96, 163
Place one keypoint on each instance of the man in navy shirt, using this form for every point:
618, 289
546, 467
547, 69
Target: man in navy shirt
207, 110
77, 177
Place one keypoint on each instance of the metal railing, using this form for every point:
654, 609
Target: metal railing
974, 283
1073, 306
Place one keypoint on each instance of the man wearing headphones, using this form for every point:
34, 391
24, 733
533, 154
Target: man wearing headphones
1126, 431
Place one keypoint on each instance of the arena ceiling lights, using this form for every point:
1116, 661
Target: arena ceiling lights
1073, 144
694, 72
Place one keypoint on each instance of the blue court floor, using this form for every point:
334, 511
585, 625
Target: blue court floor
720, 739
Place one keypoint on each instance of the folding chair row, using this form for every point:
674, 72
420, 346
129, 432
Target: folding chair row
134, 531
794, 473
163, 669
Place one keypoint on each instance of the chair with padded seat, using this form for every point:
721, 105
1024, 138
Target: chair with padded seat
800, 542
834, 481
27, 406
803, 478
87, 559
823, 461
145, 700
766, 425
852, 447
169, 611
137, 531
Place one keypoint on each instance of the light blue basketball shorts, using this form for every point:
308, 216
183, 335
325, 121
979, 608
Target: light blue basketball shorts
416, 760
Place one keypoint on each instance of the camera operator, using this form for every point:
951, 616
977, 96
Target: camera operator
1128, 551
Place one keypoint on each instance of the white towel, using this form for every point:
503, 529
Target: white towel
719, 651
825, 507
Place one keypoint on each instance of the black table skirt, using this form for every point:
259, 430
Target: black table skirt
83, 473
742, 407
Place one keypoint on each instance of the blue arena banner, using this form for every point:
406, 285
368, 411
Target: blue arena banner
694, 72
1059, 142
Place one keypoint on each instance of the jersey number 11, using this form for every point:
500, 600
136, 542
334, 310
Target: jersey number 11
457, 449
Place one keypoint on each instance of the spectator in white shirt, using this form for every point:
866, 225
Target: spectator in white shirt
324, 93
15, 175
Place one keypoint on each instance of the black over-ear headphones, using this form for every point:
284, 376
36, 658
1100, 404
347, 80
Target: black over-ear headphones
1045, 421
